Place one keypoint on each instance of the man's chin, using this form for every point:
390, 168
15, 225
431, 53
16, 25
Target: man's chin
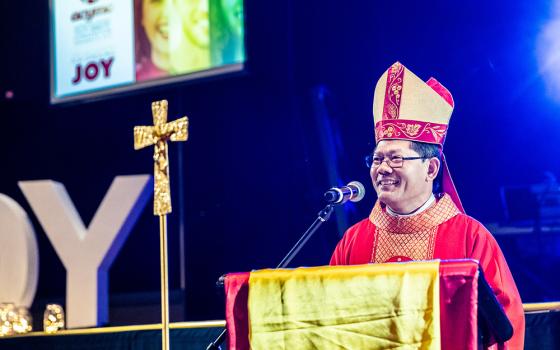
385, 197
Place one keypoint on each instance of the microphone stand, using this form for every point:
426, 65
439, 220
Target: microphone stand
323, 216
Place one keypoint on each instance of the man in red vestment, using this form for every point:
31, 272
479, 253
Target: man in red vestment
409, 221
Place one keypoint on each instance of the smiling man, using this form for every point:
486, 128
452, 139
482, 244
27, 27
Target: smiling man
409, 221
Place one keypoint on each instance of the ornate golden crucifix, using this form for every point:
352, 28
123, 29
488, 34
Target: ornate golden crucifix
158, 135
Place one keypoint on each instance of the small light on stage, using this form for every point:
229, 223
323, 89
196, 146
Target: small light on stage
14, 320
24, 322
7, 317
53, 318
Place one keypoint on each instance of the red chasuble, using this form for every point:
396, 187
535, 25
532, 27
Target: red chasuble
440, 232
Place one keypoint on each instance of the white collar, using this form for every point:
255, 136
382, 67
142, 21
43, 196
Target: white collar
422, 208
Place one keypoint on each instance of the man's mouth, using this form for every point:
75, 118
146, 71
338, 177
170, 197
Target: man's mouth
387, 182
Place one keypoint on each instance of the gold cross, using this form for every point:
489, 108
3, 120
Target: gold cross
158, 135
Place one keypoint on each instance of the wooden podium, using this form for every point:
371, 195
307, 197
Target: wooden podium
429, 305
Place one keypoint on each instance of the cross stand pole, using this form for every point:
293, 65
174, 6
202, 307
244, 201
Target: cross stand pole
157, 136
165, 344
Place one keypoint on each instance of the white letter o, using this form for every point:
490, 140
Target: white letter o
19, 255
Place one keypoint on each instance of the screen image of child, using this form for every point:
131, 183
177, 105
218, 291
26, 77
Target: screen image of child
226, 31
171, 37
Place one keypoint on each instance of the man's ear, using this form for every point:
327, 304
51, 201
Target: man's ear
433, 168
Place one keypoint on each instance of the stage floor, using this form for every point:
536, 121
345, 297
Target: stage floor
184, 335
542, 332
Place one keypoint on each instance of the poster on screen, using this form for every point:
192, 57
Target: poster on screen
93, 45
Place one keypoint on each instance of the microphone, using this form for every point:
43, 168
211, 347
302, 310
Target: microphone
353, 192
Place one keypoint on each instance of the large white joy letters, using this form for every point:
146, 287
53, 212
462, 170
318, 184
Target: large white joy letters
87, 253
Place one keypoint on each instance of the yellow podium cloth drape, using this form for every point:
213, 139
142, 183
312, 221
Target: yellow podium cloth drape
375, 306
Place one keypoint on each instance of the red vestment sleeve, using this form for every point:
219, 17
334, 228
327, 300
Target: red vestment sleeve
486, 250
464, 237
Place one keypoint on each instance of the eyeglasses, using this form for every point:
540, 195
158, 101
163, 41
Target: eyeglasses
392, 161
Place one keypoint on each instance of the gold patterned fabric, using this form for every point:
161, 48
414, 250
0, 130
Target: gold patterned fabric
373, 306
409, 238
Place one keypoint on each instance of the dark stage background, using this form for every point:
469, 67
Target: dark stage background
266, 144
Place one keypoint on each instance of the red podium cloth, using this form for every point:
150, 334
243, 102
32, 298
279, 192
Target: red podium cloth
458, 306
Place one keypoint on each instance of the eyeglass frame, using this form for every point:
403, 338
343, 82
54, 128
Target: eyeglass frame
370, 163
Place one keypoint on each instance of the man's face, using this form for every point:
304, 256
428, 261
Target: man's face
402, 189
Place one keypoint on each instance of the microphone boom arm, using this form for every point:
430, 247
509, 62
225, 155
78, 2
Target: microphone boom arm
322, 216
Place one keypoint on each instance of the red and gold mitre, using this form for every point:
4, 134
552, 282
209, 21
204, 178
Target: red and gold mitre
407, 108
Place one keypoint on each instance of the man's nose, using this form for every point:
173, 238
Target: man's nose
384, 168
